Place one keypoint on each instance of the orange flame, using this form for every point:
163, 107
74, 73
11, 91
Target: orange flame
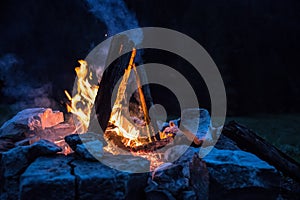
82, 102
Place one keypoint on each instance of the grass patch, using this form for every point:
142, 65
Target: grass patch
283, 131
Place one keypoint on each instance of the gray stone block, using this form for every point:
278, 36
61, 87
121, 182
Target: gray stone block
48, 178
97, 181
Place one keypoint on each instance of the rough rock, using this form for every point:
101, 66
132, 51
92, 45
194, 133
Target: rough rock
48, 178
74, 139
197, 120
6, 144
162, 125
242, 173
189, 195
127, 163
290, 189
87, 145
16, 160
196, 126
186, 178
226, 143
199, 178
194, 168
66, 177
92, 150
30, 119
175, 152
98, 181
159, 194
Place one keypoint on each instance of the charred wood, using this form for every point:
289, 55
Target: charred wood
248, 140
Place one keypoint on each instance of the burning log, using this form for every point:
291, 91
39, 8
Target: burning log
247, 140
109, 79
144, 144
143, 103
130, 117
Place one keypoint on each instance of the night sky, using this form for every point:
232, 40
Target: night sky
255, 45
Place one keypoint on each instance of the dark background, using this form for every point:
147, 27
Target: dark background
254, 43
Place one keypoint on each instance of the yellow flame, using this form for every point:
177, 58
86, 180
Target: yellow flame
82, 102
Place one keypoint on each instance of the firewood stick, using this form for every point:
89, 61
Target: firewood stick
190, 136
109, 80
142, 98
143, 103
247, 140
123, 84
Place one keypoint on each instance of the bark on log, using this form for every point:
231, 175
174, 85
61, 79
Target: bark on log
110, 77
247, 140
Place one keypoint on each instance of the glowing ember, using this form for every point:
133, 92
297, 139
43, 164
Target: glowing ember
156, 159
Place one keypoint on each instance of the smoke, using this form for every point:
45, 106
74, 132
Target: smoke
116, 16
19, 89
19, 86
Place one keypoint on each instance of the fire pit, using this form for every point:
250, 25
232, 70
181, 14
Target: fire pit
32, 169
47, 155
33, 165
127, 126
131, 142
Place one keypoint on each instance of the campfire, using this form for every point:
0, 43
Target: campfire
129, 128
126, 127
